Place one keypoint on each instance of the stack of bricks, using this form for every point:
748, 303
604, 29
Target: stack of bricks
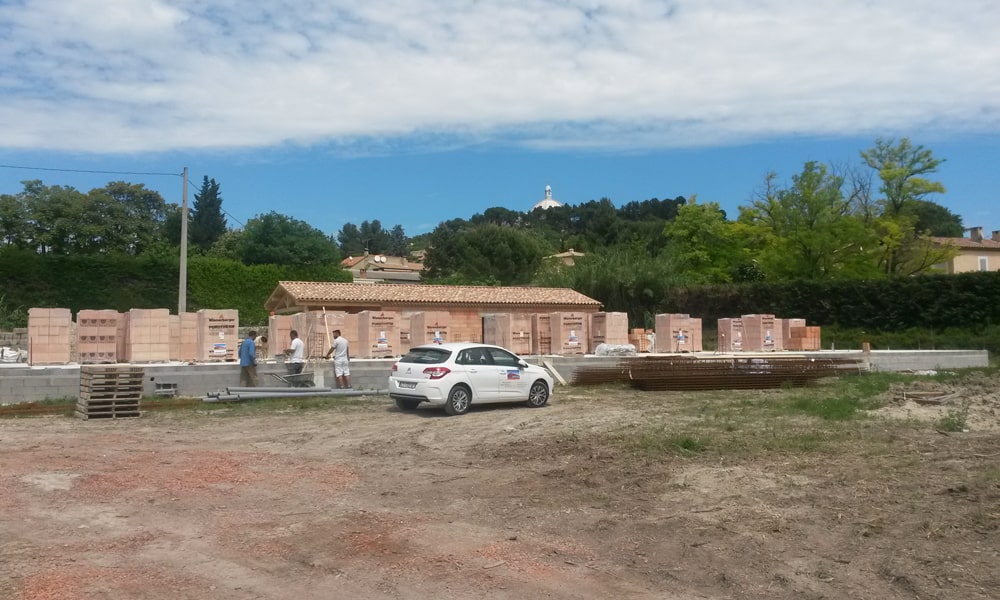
109, 392
730, 335
97, 336
608, 328
218, 335
638, 338
511, 331
570, 333
762, 333
430, 327
147, 335
541, 332
49, 341
678, 333
465, 325
799, 337
278, 329
189, 337
378, 334
184, 337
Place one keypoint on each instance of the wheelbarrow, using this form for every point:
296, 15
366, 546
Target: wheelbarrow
295, 379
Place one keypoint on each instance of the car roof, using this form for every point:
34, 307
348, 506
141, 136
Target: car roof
456, 346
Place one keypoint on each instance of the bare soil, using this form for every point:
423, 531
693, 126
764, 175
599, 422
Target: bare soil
364, 501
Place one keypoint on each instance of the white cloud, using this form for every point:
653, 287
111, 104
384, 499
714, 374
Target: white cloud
142, 75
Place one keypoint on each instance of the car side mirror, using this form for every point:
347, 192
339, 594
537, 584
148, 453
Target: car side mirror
522, 364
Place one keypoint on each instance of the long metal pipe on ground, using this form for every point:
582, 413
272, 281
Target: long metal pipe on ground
290, 390
265, 395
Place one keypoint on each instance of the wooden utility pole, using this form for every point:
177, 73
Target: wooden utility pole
182, 285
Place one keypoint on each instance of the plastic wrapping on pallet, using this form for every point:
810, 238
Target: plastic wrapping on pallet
615, 350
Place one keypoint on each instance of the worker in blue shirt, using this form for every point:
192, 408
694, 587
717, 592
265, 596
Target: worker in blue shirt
248, 360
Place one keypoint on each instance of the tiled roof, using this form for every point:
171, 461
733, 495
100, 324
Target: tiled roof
964, 242
307, 292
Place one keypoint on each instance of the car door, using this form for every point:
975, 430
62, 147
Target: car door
481, 373
512, 383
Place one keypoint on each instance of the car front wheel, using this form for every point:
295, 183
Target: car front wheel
458, 401
538, 395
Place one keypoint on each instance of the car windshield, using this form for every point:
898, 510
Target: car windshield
426, 356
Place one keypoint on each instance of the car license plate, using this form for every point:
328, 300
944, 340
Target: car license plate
407, 385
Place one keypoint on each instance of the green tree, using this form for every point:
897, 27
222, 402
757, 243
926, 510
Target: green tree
55, 217
13, 222
124, 217
350, 240
370, 237
483, 252
808, 230
399, 245
901, 168
934, 219
703, 247
207, 221
280, 240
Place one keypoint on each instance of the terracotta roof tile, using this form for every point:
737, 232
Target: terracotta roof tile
963, 242
320, 292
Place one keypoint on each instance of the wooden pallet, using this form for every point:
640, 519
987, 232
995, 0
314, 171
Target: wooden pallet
101, 396
107, 409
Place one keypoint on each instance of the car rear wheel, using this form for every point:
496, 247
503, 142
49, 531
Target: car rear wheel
538, 395
406, 404
458, 401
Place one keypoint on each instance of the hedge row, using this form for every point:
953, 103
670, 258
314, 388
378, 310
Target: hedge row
125, 282
933, 302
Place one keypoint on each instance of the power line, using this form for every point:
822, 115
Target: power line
90, 171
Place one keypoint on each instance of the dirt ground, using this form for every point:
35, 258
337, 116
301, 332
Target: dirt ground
364, 501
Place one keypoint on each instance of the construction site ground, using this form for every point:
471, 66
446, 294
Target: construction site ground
606, 493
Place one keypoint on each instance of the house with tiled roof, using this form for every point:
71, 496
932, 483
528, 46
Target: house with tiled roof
465, 305
296, 296
975, 253
380, 267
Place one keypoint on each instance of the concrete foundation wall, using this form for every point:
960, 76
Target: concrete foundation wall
22, 383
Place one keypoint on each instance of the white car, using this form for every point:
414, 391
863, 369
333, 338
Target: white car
456, 375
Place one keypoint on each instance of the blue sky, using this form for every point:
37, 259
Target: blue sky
420, 111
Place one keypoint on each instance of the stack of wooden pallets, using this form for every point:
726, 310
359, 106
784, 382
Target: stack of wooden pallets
109, 392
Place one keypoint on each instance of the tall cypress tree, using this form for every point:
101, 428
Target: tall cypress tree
207, 222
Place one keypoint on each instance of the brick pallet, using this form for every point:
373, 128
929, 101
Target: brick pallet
109, 392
